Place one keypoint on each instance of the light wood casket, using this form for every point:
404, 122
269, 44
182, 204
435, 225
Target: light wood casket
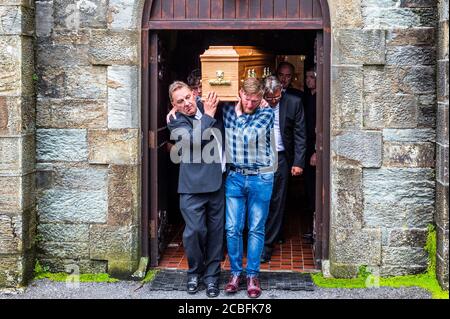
224, 69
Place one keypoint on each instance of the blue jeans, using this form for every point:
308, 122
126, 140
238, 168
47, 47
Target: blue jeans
246, 193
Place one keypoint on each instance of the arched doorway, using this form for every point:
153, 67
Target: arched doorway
225, 17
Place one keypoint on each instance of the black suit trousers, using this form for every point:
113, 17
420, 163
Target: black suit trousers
274, 223
204, 215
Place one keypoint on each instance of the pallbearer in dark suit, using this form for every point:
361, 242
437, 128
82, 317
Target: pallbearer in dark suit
285, 73
311, 159
290, 139
198, 132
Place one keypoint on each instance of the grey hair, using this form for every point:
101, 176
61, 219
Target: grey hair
271, 84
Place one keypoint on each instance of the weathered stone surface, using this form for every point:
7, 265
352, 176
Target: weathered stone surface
10, 151
122, 195
442, 242
409, 135
442, 271
61, 145
122, 97
347, 97
356, 46
379, 3
110, 47
361, 146
442, 163
25, 3
10, 82
51, 82
410, 55
411, 36
347, 202
29, 230
442, 205
443, 9
356, 247
398, 197
17, 66
18, 192
10, 234
339, 270
4, 114
122, 269
414, 237
67, 37
426, 116
392, 18
400, 80
390, 110
17, 115
73, 195
442, 126
408, 154
17, 155
113, 146
50, 54
122, 15
112, 242
442, 81
65, 113
417, 3
11, 271
387, 270
44, 18
73, 250
413, 80
346, 14
64, 232
443, 41
81, 14
16, 20
84, 82
67, 265
401, 256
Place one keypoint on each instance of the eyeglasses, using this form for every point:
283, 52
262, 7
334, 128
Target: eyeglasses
273, 98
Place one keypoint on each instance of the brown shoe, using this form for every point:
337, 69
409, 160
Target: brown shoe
253, 287
233, 284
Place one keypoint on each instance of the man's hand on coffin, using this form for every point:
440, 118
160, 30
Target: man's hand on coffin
238, 107
210, 104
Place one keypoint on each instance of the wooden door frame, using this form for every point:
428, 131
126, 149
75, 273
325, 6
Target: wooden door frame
149, 230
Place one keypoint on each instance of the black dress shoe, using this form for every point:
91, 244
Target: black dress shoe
265, 258
212, 290
192, 285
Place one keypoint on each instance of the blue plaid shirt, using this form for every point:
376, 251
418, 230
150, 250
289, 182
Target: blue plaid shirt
249, 138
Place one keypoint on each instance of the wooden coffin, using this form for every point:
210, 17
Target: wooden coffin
224, 69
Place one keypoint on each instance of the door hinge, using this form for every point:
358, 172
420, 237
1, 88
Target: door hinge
151, 139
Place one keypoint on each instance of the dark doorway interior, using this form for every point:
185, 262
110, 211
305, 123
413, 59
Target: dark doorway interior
180, 54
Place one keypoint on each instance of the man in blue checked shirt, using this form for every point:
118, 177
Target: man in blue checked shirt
248, 187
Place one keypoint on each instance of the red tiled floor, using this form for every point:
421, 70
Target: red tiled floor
294, 255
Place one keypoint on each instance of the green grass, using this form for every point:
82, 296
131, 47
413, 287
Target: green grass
149, 276
426, 280
43, 273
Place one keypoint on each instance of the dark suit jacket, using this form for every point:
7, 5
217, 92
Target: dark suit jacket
196, 176
293, 91
292, 128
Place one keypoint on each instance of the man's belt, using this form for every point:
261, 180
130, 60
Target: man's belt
244, 171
